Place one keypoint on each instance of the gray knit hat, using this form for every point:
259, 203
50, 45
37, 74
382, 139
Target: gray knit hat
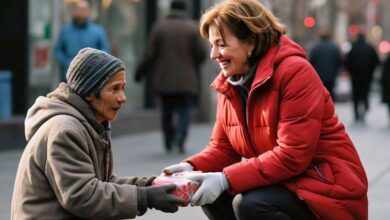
90, 69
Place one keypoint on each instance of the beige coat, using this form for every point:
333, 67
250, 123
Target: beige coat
65, 171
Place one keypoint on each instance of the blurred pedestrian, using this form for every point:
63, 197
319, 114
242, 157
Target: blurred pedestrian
81, 32
65, 171
326, 60
361, 62
385, 82
278, 149
173, 54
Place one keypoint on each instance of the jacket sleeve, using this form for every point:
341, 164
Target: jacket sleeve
59, 49
199, 48
103, 41
218, 154
138, 181
72, 176
146, 63
298, 130
385, 72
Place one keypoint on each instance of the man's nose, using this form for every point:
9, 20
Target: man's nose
122, 97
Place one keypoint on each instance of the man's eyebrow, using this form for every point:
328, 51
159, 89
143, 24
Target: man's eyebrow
116, 83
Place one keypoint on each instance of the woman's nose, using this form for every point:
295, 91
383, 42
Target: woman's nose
214, 54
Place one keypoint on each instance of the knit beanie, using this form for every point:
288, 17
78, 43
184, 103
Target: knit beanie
90, 69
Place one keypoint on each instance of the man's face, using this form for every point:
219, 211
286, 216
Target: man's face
111, 98
81, 12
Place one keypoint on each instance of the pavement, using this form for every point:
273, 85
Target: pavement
142, 155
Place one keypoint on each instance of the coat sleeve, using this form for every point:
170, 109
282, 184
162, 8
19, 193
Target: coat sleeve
103, 41
298, 130
138, 181
72, 176
59, 49
218, 154
199, 48
146, 63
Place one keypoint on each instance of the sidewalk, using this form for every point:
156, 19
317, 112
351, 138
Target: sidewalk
142, 154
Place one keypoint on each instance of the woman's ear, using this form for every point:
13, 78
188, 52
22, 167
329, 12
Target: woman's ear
251, 47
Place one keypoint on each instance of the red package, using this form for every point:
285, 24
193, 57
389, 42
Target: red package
186, 188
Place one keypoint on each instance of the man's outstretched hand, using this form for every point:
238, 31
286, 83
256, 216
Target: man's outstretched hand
158, 197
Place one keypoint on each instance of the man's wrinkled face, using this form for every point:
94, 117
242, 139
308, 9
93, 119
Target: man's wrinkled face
111, 98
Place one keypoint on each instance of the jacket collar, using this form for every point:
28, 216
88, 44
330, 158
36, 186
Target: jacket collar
85, 25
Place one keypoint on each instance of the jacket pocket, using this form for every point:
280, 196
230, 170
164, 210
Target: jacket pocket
321, 171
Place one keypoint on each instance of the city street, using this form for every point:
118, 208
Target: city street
143, 154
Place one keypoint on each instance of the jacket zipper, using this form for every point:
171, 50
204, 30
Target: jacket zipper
249, 111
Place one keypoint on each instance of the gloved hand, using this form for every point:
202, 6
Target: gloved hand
158, 197
178, 168
212, 186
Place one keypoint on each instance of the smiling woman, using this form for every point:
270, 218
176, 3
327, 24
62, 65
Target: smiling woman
274, 111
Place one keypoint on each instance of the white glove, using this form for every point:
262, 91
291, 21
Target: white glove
212, 186
178, 168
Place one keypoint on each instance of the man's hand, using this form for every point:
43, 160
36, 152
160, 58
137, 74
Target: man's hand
178, 168
212, 186
158, 197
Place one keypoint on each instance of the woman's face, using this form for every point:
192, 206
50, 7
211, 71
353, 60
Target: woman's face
229, 52
111, 98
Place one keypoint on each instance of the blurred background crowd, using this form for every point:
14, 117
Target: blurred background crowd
31, 29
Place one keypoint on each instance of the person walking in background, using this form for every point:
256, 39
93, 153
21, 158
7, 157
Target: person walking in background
385, 82
361, 62
65, 171
174, 52
278, 149
81, 32
326, 60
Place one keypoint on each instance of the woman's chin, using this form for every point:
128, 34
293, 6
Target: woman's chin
226, 73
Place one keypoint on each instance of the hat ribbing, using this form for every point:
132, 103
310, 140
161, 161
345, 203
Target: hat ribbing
90, 69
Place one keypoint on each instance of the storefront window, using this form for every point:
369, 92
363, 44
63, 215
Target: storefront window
40, 48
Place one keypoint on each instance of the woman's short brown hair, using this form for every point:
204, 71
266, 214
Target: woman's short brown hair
248, 20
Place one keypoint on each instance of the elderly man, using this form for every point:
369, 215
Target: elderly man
65, 171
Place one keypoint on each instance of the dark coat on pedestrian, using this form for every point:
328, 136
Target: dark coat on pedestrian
66, 169
173, 54
385, 81
326, 59
361, 62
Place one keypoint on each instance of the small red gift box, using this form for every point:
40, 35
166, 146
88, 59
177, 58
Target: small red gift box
186, 188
